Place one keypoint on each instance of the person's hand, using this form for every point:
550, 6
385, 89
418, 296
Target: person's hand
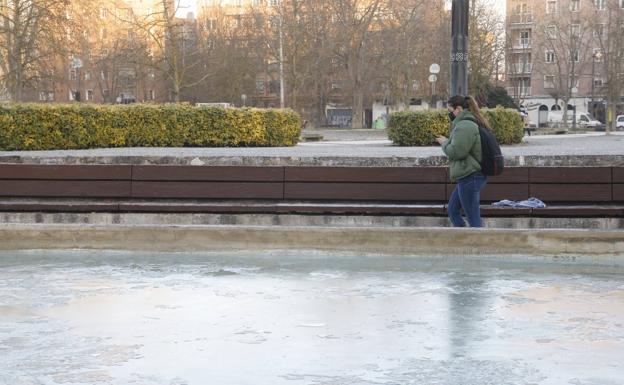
441, 139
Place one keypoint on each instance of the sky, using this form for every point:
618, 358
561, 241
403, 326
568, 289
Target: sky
191, 5
187, 6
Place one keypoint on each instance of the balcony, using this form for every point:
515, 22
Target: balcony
522, 45
519, 92
520, 69
520, 20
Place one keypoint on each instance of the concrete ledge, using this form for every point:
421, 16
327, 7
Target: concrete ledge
364, 240
304, 220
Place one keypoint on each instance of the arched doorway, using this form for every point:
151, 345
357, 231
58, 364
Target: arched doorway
542, 119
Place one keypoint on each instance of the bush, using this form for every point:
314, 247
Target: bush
79, 126
420, 128
417, 128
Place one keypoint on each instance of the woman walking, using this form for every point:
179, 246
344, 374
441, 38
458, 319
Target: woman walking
463, 149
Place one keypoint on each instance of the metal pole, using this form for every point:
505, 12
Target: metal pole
593, 83
281, 54
459, 47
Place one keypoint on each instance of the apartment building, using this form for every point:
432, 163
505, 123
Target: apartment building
110, 59
555, 55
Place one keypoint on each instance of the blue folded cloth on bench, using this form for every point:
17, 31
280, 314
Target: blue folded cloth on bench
530, 203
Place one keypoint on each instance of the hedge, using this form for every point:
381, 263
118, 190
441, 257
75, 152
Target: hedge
80, 126
420, 128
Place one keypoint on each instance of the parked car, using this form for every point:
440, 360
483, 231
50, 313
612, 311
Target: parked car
583, 119
619, 122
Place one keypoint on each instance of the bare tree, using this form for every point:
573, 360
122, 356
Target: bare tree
353, 29
486, 50
608, 32
173, 43
31, 33
566, 52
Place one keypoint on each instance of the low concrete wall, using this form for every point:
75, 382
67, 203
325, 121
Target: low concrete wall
261, 159
185, 219
363, 240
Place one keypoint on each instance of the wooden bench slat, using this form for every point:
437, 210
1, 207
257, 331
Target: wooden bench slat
57, 188
216, 190
503, 211
367, 174
549, 192
497, 192
570, 175
369, 209
579, 211
65, 172
618, 174
618, 192
208, 173
511, 175
365, 191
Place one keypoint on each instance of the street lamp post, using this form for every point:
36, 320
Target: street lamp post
595, 55
77, 65
434, 69
281, 53
459, 47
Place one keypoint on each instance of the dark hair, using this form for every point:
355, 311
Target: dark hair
470, 104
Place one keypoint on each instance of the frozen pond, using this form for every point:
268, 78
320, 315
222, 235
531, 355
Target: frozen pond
116, 318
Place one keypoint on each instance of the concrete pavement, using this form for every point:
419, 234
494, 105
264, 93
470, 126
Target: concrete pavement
348, 148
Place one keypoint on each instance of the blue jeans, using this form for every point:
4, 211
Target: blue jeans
467, 196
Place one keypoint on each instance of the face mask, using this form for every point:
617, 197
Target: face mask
451, 116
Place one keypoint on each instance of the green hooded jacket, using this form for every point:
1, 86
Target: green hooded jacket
463, 148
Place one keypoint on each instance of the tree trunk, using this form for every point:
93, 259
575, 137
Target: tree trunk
358, 109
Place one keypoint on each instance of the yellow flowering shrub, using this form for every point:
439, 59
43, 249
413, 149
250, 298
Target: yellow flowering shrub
80, 126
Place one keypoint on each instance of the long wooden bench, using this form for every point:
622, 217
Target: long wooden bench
568, 191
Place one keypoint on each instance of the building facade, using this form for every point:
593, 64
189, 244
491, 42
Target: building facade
557, 55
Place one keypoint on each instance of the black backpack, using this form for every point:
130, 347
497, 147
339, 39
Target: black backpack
492, 160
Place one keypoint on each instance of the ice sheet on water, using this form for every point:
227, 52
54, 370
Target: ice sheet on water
115, 317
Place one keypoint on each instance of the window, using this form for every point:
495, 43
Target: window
599, 30
525, 38
103, 13
575, 5
260, 86
103, 33
87, 75
549, 81
89, 95
598, 82
522, 8
574, 55
600, 4
551, 32
72, 74
46, 96
621, 3
550, 56
575, 30
597, 54
273, 3
551, 7
151, 95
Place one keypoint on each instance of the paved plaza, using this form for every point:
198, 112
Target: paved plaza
337, 144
